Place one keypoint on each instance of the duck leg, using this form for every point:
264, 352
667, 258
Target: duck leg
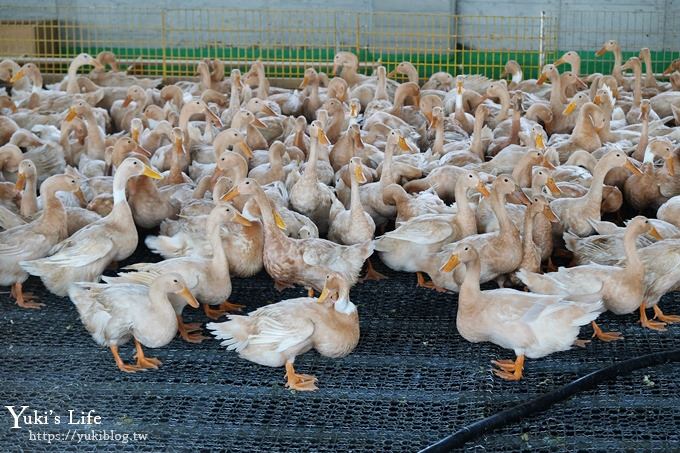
280, 286
310, 292
144, 362
371, 273
122, 366
669, 319
429, 285
648, 323
222, 309
190, 333
24, 300
300, 382
605, 336
508, 369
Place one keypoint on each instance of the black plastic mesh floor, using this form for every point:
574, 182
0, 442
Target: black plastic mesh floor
411, 381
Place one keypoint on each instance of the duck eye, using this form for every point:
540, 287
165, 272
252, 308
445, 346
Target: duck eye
469, 176
506, 180
467, 248
247, 182
175, 281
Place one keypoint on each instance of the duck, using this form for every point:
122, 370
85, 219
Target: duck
36, 239
207, 278
621, 288
274, 335
409, 247
309, 196
575, 212
301, 261
532, 325
654, 186
113, 314
84, 256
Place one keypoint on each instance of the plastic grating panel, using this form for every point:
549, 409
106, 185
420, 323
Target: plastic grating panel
411, 381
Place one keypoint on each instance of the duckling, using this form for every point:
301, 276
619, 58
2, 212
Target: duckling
113, 314
275, 334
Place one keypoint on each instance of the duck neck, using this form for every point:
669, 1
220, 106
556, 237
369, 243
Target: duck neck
476, 143
271, 231
219, 263
517, 76
498, 206
438, 145
412, 74
584, 126
515, 127
465, 216
594, 194
633, 262
275, 162
202, 187
72, 83
576, 66
54, 215
95, 137
335, 125
381, 88
386, 177
175, 176
504, 98
639, 153
263, 85
356, 209
637, 85
528, 246
469, 290
556, 94
311, 171
650, 79
234, 102
29, 199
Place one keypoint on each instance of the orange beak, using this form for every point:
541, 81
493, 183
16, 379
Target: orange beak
481, 188
233, 193
547, 164
552, 185
550, 215
601, 52
238, 218
127, 100
670, 165
21, 181
321, 136
541, 80
191, 300
653, 232
451, 264
267, 110
257, 123
522, 197
246, 149
629, 165
70, 115
81, 197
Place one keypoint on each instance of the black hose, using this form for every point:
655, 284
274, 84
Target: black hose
473, 431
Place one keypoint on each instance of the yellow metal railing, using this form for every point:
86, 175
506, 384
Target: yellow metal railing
169, 42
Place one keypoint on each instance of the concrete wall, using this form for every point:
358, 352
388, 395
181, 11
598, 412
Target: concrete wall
581, 24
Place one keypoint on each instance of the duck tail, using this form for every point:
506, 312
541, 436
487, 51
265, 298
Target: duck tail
235, 332
168, 246
538, 283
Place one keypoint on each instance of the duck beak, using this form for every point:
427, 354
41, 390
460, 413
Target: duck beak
451, 263
81, 197
337, 69
246, 149
522, 197
429, 116
481, 188
324, 294
668, 70
279, 220
540, 144
21, 182
127, 100
553, 186
581, 83
143, 151
214, 118
597, 100
559, 61
547, 164
70, 115
233, 193
402, 144
629, 165
392, 73
12, 106
550, 215
321, 137
569, 109
17, 76
268, 111
601, 52
191, 300
670, 165
653, 232
305, 82
358, 142
541, 80
459, 88
134, 134
353, 111
238, 218
151, 173
359, 174
257, 123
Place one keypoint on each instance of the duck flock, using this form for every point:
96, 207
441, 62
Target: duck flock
462, 180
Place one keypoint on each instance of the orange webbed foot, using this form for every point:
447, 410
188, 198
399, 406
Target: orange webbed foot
300, 382
372, 274
668, 319
221, 310
191, 333
24, 300
579, 343
508, 369
648, 323
605, 336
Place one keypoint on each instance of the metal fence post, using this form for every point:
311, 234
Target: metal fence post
541, 43
164, 44
358, 34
